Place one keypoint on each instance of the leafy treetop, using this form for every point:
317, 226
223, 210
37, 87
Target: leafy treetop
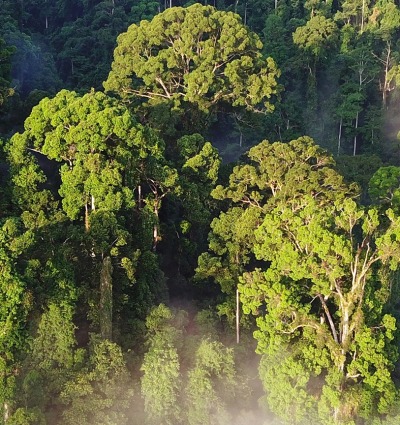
195, 54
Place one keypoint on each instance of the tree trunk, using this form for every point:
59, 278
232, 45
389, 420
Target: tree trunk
156, 236
106, 302
386, 84
6, 412
87, 224
340, 136
139, 196
345, 329
237, 316
362, 16
355, 136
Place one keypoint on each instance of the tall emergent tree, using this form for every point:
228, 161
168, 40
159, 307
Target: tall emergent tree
105, 158
197, 55
317, 271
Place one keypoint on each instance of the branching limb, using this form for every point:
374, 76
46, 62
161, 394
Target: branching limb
329, 317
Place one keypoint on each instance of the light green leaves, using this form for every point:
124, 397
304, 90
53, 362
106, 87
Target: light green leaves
101, 392
384, 186
15, 300
316, 36
312, 269
100, 146
214, 368
161, 369
197, 55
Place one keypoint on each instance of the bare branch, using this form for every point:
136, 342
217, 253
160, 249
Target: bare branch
329, 317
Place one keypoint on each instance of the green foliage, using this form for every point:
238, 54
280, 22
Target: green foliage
105, 155
5, 68
318, 271
82, 132
149, 288
23, 416
315, 290
160, 382
144, 9
15, 300
100, 393
275, 172
37, 205
358, 169
106, 299
51, 359
384, 186
15, 305
55, 340
293, 403
214, 369
316, 36
199, 167
191, 55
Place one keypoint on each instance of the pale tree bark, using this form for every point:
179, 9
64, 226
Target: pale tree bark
155, 187
139, 196
340, 136
87, 223
355, 136
156, 236
6, 409
362, 16
386, 86
237, 317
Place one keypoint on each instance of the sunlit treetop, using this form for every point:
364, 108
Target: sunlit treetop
197, 55
99, 144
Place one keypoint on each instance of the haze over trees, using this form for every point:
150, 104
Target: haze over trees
199, 212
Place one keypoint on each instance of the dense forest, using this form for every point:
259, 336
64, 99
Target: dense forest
199, 212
